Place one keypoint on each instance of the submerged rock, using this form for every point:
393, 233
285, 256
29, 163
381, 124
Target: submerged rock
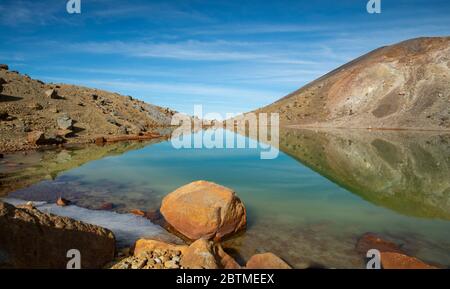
32, 239
62, 202
204, 210
391, 260
373, 241
266, 261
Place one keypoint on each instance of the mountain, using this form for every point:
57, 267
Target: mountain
402, 86
33, 112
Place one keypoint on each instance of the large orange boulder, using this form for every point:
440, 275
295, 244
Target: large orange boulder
391, 260
266, 261
204, 210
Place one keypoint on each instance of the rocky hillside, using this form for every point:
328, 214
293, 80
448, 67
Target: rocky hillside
34, 113
403, 86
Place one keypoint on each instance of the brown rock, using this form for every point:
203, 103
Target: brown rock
372, 241
32, 239
266, 261
106, 207
391, 260
4, 67
36, 138
225, 260
143, 245
200, 255
204, 210
62, 202
100, 140
137, 212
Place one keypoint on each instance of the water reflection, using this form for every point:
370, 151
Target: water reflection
408, 172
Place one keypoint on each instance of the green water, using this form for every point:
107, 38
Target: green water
309, 205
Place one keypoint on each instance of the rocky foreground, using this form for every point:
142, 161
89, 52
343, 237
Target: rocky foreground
202, 210
34, 113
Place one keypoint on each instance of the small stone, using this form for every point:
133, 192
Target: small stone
62, 202
36, 138
137, 212
171, 265
176, 259
157, 260
65, 122
53, 94
94, 97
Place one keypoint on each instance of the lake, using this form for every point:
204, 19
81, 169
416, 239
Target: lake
309, 205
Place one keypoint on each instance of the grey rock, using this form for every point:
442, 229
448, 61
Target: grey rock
65, 122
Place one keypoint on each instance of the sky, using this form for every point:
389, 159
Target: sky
229, 56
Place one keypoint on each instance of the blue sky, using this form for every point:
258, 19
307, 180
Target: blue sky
230, 56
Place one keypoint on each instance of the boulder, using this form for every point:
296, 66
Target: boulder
65, 122
392, 260
204, 210
266, 261
373, 241
4, 67
32, 239
36, 138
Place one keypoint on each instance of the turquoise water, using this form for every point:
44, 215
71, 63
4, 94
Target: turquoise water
293, 210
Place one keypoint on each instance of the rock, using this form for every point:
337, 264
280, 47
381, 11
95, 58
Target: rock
225, 260
100, 140
266, 261
1, 156
32, 239
4, 67
62, 202
200, 255
137, 212
94, 96
65, 122
145, 245
204, 210
64, 133
372, 241
106, 207
52, 93
171, 264
36, 138
391, 260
